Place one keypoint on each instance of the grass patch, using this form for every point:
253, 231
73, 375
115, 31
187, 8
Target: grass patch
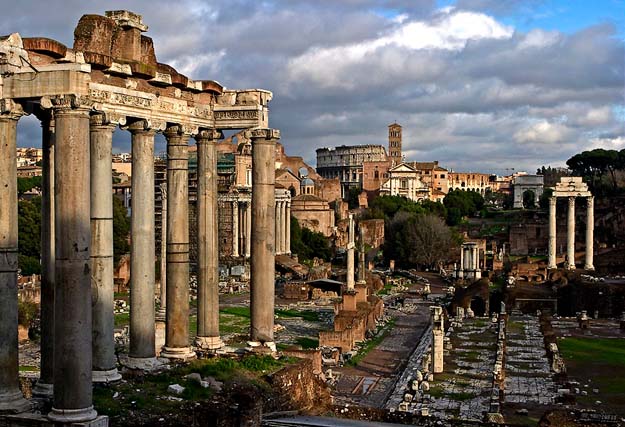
27, 368
371, 344
237, 311
309, 315
589, 350
386, 289
122, 319
460, 396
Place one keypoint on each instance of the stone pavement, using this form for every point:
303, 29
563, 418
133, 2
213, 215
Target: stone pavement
528, 375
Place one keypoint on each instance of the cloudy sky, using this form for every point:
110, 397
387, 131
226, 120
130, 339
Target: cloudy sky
483, 85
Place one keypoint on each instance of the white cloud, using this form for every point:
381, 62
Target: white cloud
543, 132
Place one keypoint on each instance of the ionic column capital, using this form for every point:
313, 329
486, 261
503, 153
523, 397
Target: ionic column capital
208, 135
142, 126
11, 110
262, 133
106, 119
173, 131
67, 102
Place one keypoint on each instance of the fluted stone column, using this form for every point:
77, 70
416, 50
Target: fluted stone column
177, 328
590, 229
552, 233
350, 254
263, 237
208, 242
362, 278
461, 269
73, 310
235, 228
248, 229
11, 399
142, 353
570, 235
278, 227
162, 310
288, 228
104, 359
44, 387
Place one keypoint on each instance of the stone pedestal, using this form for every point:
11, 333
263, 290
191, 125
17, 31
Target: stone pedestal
104, 360
262, 292
208, 242
438, 332
72, 342
177, 329
11, 399
142, 240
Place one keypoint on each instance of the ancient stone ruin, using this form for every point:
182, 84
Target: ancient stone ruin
111, 78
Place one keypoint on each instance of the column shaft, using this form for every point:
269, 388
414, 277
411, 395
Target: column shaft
43, 388
288, 228
590, 229
160, 315
208, 243
552, 233
235, 228
177, 328
350, 254
142, 250
104, 360
461, 269
263, 236
11, 399
278, 227
570, 236
248, 229
73, 310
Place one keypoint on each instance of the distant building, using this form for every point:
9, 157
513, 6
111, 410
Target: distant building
346, 164
524, 183
404, 181
433, 175
471, 181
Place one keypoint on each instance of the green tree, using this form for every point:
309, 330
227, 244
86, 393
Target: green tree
121, 230
352, 198
29, 235
461, 204
26, 184
308, 244
597, 164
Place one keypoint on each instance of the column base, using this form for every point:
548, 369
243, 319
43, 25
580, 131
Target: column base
110, 376
160, 315
14, 403
267, 347
209, 343
552, 267
142, 363
571, 267
70, 416
43, 390
589, 267
178, 353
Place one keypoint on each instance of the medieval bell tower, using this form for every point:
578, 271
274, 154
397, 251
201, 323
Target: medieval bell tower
394, 144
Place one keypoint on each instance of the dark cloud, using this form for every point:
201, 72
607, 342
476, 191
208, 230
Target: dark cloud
469, 91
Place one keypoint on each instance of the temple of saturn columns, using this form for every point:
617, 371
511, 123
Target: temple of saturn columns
571, 188
110, 78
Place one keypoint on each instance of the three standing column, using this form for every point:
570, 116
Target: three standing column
208, 337
104, 360
288, 228
73, 310
570, 235
177, 328
263, 236
11, 399
278, 227
142, 327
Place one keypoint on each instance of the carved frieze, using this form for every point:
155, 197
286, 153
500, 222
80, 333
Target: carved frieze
263, 133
